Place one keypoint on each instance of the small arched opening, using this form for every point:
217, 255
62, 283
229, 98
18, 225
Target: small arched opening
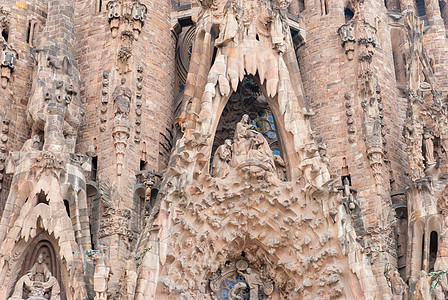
5, 34
348, 14
67, 207
421, 8
444, 12
433, 248
42, 198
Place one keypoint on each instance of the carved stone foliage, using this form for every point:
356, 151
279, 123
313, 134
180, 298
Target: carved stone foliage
37, 284
221, 232
114, 220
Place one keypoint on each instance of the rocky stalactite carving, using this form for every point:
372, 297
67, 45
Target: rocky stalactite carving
47, 197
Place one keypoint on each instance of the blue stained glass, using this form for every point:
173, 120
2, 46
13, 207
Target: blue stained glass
253, 116
270, 118
262, 114
273, 126
271, 134
229, 284
223, 294
240, 279
276, 152
260, 295
262, 125
246, 294
190, 50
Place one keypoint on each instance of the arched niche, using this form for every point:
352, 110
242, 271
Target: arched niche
94, 212
284, 141
142, 207
43, 245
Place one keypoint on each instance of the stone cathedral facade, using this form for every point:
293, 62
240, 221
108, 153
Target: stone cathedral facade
223, 149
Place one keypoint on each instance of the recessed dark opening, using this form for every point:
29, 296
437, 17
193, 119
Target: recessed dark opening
67, 207
349, 14
5, 34
94, 168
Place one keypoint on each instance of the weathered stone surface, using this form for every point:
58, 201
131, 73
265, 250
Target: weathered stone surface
244, 149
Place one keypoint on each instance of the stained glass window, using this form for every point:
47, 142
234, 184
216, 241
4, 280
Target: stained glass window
229, 283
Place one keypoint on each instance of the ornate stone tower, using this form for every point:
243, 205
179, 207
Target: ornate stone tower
223, 149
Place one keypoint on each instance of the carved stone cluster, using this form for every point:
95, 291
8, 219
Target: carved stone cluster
8, 55
138, 104
3, 147
349, 112
104, 100
128, 14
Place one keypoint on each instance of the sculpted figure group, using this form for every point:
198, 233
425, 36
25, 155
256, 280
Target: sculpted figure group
38, 282
249, 150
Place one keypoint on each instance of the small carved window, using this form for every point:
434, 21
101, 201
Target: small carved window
421, 8
349, 14
5, 34
231, 282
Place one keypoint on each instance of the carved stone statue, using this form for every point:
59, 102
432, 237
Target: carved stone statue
260, 150
32, 144
236, 290
428, 140
280, 166
39, 282
101, 277
254, 282
398, 286
220, 165
39, 269
241, 139
228, 28
122, 99
422, 287
129, 281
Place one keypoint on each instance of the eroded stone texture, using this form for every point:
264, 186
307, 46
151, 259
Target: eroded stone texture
215, 149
